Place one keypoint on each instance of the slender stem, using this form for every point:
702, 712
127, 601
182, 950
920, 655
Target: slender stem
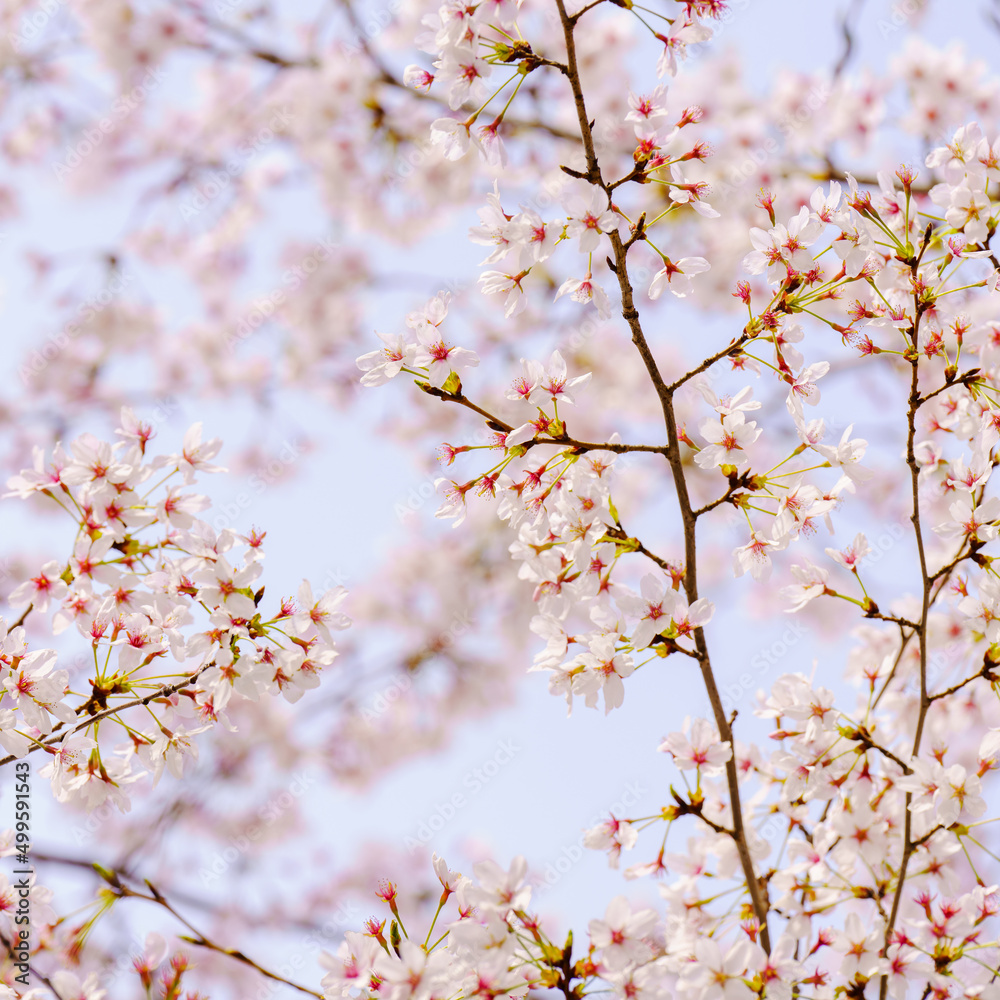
987, 672
921, 630
563, 442
204, 942
665, 393
9, 946
57, 730
734, 348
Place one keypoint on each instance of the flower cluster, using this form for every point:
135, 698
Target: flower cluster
439, 362
170, 608
855, 803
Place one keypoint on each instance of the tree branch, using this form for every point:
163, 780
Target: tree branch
673, 453
114, 879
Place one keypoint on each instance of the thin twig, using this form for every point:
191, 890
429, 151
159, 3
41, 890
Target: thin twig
114, 879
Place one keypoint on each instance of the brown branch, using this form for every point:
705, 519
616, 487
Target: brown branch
988, 672
845, 28
945, 574
620, 534
389, 79
733, 348
959, 380
24, 614
563, 442
758, 893
862, 736
733, 488
927, 580
114, 879
58, 734
920, 841
895, 619
9, 945
583, 10
948, 567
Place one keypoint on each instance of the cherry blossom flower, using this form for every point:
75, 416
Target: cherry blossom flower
783, 249
846, 455
380, 366
725, 405
984, 613
603, 672
499, 890
12, 741
960, 155
613, 836
860, 947
619, 936
94, 463
225, 586
728, 440
535, 238
989, 751
970, 520
505, 286
322, 614
454, 136
463, 73
943, 793
37, 690
71, 753
176, 509
803, 388
153, 955
677, 276
717, 975
684, 620
649, 108
701, 749
139, 640
527, 382
554, 379
38, 478
779, 969
755, 556
811, 584
895, 967
850, 557
683, 32
449, 879
589, 217
862, 832
826, 207
168, 751
653, 609
40, 590
133, 429
410, 976
584, 290
69, 987
196, 455
439, 358
418, 78
496, 229
685, 192
855, 247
